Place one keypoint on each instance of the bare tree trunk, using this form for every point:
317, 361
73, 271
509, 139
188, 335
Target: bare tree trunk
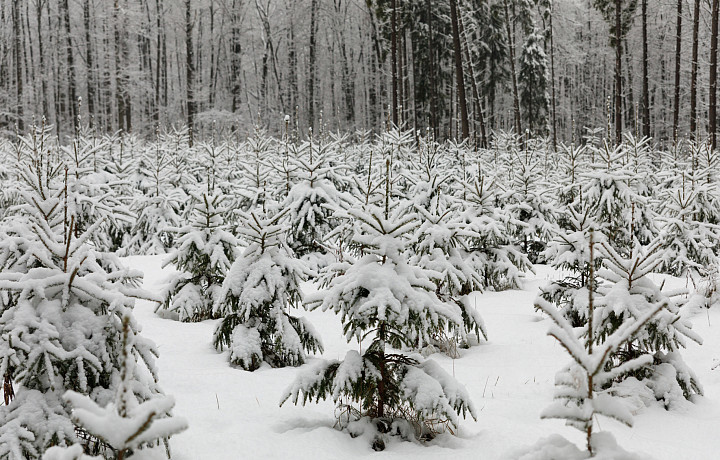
694, 71
312, 63
459, 73
119, 77
89, 63
713, 74
678, 45
478, 105
235, 56
70, 63
18, 65
618, 72
511, 45
552, 78
158, 59
189, 69
646, 84
394, 62
211, 84
41, 55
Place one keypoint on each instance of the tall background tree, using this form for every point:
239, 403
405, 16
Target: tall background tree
233, 64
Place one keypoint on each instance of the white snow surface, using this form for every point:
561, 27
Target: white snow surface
235, 414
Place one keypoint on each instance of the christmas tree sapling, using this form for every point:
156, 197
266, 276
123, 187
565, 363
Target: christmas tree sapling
253, 302
205, 252
382, 298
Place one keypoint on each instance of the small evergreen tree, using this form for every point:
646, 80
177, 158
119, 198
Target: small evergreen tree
627, 294
205, 253
382, 297
580, 392
258, 290
125, 425
61, 324
311, 203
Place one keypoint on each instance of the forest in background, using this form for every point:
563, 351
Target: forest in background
462, 68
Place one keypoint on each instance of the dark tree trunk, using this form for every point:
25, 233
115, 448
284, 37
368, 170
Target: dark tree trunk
511, 49
18, 65
552, 79
678, 45
459, 73
694, 71
41, 55
713, 75
394, 62
89, 61
70, 64
646, 84
478, 104
618, 72
189, 69
312, 63
235, 57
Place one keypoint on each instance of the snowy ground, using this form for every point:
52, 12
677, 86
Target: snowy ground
234, 414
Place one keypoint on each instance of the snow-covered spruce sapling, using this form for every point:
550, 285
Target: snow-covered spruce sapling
489, 249
438, 247
254, 299
383, 299
581, 386
205, 252
61, 326
568, 252
625, 295
124, 424
311, 203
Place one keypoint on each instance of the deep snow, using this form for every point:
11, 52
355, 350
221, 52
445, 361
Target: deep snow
234, 414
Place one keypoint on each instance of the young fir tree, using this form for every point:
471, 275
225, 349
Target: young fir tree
613, 187
158, 206
439, 247
383, 299
124, 424
205, 252
61, 324
625, 296
568, 252
255, 297
581, 386
526, 200
311, 203
490, 249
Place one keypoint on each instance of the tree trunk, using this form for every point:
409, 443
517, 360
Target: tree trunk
312, 63
511, 45
476, 94
235, 57
89, 63
713, 75
459, 73
41, 55
70, 63
618, 72
694, 71
18, 66
394, 62
552, 78
646, 85
119, 78
678, 45
189, 69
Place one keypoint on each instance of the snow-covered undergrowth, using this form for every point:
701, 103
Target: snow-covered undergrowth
510, 379
278, 256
